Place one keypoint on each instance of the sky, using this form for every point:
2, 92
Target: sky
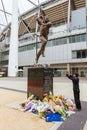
23, 5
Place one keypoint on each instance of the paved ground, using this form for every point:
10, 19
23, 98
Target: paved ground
63, 86
12, 119
76, 121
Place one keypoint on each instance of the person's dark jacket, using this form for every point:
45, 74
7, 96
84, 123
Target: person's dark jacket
75, 81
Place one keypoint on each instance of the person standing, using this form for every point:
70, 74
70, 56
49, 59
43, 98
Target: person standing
44, 25
76, 90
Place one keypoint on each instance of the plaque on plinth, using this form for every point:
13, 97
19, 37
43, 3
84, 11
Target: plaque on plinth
40, 81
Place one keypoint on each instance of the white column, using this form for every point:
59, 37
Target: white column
68, 24
86, 21
13, 50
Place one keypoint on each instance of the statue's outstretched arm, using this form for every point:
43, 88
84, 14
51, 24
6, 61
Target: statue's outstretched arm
49, 24
42, 12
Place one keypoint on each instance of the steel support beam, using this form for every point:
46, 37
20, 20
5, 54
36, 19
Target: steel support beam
5, 12
73, 7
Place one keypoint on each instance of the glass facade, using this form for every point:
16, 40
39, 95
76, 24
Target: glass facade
56, 42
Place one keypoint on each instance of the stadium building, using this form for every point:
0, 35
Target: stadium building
67, 40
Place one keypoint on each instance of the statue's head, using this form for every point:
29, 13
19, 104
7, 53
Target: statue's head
46, 19
41, 16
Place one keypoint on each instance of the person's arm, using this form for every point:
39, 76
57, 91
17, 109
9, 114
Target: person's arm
47, 24
69, 75
39, 20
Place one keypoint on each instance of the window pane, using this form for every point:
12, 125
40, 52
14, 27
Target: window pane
73, 39
58, 42
70, 39
84, 54
83, 37
39, 45
64, 40
77, 38
49, 43
54, 42
78, 54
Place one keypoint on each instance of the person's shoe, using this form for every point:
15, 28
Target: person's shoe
79, 109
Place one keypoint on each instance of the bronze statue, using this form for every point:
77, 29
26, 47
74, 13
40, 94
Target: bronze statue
44, 25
